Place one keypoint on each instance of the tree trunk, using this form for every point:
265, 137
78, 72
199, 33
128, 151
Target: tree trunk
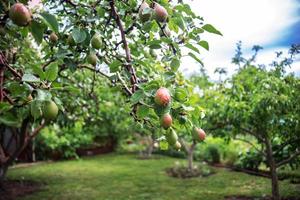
190, 160
273, 172
190, 153
149, 148
3, 170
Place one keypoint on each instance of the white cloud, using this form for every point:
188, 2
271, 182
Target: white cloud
261, 22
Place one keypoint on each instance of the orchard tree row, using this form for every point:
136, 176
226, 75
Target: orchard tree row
260, 101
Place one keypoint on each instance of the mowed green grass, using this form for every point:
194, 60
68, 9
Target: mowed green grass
118, 177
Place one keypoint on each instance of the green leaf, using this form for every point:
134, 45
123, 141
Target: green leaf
59, 104
196, 58
51, 21
43, 95
37, 69
143, 111
175, 63
154, 44
137, 96
180, 22
30, 78
211, 29
36, 109
180, 94
78, 35
52, 71
163, 145
37, 30
192, 47
10, 119
114, 66
204, 44
17, 89
4, 106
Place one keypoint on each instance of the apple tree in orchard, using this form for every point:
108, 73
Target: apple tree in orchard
135, 45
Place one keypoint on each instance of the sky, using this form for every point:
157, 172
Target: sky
272, 24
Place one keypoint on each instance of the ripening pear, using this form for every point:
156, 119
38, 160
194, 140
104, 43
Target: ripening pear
145, 12
199, 134
50, 110
171, 137
92, 59
20, 15
53, 37
166, 121
162, 97
96, 41
160, 13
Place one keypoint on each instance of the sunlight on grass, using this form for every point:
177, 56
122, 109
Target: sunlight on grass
125, 177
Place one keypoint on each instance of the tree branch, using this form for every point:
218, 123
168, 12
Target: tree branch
284, 144
253, 145
164, 34
128, 65
36, 131
293, 156
184, 144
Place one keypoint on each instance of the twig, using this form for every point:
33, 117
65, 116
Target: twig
164, 34
124, 84
36, 131
293, 156
253, 145
48, 63
8, 98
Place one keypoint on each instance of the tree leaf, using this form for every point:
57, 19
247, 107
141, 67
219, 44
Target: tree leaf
154, 44
30, 78
43, 95
37, 30
4, 106
196, 58
143, 111
10, 120
114, 66
175, 63
51, 21
163, 145
211, 29
52, 71
36, 109
78, 35
204, 44
192, 47
137, 96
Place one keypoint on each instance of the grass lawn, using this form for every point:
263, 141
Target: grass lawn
118, 177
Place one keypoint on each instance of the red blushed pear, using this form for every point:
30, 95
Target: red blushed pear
162, 97
199, 134
166, 121
144, 16
19, 14
160, 13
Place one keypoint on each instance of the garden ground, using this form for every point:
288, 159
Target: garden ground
115, 177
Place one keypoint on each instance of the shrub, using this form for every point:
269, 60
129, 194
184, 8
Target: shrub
181, 171
251, 160
212, 154
230, 157
57, 143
